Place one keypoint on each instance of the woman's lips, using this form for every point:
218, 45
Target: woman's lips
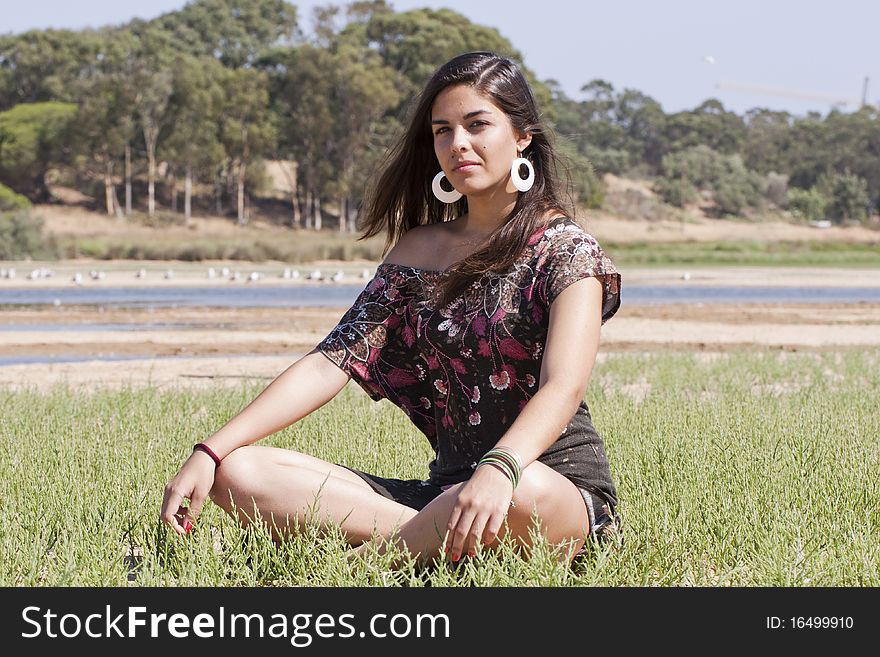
465, 167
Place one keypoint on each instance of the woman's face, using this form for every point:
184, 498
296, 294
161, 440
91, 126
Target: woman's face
469, 127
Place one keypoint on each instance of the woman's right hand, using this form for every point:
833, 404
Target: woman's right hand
192, 482
303, 387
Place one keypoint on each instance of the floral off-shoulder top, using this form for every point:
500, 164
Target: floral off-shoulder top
462, 373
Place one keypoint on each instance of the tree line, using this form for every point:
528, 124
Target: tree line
184, 109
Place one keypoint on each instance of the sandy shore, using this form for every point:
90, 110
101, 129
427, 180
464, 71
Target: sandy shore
199, 347
224, 346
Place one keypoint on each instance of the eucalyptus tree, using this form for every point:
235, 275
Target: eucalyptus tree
767, 145
103, 128
43, 65
193, 145
853, 146
708, 124
236, 32
150, 78
247, 127
807, 157
416, 42
643, 121
601, 138
305, 91
277, 63
107, 119
365, 94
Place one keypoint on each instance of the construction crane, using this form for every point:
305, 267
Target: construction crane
834, 101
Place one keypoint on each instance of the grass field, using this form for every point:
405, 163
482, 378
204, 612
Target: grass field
751, 468
302, 247
747, 253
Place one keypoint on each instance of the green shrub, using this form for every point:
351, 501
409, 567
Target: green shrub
609, 160
807, 204
676, 191
21, 236
847, 195
92, 249
33, 136
10, 201
734, 187
590, 187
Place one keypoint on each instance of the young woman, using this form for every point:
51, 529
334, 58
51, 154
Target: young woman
482, 325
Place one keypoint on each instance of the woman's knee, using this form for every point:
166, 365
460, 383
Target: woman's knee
238, 468
545, 496
531, 495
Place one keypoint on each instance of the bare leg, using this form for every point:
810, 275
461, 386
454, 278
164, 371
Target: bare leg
289, 488
560, 510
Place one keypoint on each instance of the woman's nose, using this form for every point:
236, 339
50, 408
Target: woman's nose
459, 140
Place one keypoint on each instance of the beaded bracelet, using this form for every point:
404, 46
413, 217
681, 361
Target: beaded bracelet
202, 447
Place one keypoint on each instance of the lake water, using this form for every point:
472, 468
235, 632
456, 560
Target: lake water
344, 295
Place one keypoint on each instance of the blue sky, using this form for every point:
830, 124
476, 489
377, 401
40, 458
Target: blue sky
808, 53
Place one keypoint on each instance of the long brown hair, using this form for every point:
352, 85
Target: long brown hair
402, 197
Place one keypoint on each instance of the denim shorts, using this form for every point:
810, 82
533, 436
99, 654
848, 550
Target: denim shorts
417, 494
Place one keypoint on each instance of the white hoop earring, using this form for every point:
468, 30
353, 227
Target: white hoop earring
522, 184
442, 194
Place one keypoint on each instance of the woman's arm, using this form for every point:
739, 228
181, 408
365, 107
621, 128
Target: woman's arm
303, 387
569, 356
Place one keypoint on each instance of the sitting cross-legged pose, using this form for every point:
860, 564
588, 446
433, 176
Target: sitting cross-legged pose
482, 324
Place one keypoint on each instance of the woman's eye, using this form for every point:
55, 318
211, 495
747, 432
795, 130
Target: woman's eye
475, 124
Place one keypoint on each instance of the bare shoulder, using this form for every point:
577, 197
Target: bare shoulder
417, 244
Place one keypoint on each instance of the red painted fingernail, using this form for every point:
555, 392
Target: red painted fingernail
447, 550
471, 554
454, 557
187, 526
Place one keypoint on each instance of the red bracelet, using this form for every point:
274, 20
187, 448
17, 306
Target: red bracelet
207, 450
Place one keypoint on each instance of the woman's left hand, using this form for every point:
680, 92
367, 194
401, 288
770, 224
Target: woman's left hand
479, 511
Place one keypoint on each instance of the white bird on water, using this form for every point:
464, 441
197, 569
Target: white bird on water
169, 274
77, 278
234, 276
224, 272
141, 273
315, 275
337, 277
686, 276
254, 276
211, 273
365, 274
